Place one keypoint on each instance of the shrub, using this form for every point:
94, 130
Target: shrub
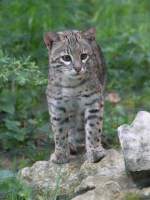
22, 87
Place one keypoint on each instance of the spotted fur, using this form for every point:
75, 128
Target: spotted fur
75, 93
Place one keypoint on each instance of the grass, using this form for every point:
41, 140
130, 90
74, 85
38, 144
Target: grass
131, 196
12, 188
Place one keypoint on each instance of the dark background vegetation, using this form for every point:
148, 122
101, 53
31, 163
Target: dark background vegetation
123, 33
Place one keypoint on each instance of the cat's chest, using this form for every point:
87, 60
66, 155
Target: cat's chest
73, 102
74, 93
76, 87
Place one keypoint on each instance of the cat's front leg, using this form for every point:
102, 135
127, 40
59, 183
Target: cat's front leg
93, 129
60, 130
72, 141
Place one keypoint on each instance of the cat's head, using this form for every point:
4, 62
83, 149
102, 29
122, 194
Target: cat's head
70, 51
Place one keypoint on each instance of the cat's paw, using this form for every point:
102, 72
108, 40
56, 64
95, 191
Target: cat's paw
59, 158
95, 154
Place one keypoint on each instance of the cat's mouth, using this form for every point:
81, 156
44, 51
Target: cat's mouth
78, 74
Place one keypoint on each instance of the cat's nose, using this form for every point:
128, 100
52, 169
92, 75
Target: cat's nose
77, 65
77, 69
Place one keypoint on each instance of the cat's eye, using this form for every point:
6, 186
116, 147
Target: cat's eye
84, 56
66, 58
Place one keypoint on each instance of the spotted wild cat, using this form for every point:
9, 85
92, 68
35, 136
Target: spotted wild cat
75, 93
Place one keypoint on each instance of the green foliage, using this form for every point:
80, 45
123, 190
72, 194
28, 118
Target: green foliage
23, 23
11, 188
132, 196
128, 74
128, 61
21, 86
22, 72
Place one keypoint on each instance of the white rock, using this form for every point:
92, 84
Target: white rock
105, 189
135, 142
105, 180
44, 175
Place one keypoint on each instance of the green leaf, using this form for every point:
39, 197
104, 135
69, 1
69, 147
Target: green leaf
7, 101
12, 125
8, 108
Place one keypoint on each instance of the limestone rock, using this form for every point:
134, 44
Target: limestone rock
111, 166
105, 180
46, 176
135, 143
100, 188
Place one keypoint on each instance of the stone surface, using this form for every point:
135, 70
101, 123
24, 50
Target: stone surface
99, 188
104, 180
112, 191
44, 175
135, 143
111, 166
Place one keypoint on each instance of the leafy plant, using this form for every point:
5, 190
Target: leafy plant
22, 85
11, 188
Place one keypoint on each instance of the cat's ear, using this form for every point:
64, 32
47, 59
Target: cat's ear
89, 34
49, 38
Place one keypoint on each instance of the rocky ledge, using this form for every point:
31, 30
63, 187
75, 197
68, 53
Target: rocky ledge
80, 180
